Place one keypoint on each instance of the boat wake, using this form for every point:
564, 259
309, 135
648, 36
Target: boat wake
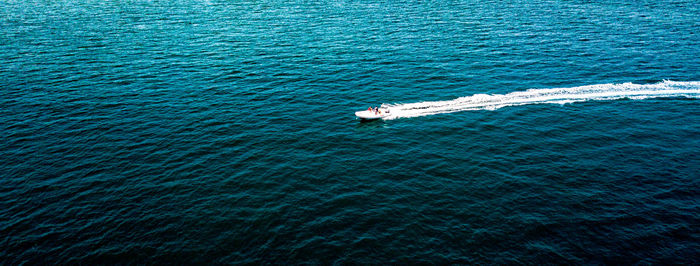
599, 92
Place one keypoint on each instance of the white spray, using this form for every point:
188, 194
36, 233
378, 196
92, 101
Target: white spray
666, 88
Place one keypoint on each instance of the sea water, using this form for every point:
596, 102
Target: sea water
210, 131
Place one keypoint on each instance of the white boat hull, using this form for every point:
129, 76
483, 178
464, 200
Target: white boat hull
370, 115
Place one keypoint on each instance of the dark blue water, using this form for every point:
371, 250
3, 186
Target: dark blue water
191, 131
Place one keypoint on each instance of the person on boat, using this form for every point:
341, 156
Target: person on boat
369, 109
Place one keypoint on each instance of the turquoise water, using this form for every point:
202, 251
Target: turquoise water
224, 132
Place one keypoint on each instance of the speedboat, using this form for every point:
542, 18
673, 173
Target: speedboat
371, 115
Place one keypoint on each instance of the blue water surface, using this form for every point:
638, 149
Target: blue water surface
212, 131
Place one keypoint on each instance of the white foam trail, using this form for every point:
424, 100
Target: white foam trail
666, 88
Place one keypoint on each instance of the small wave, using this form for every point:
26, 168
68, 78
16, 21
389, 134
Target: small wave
666, 88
